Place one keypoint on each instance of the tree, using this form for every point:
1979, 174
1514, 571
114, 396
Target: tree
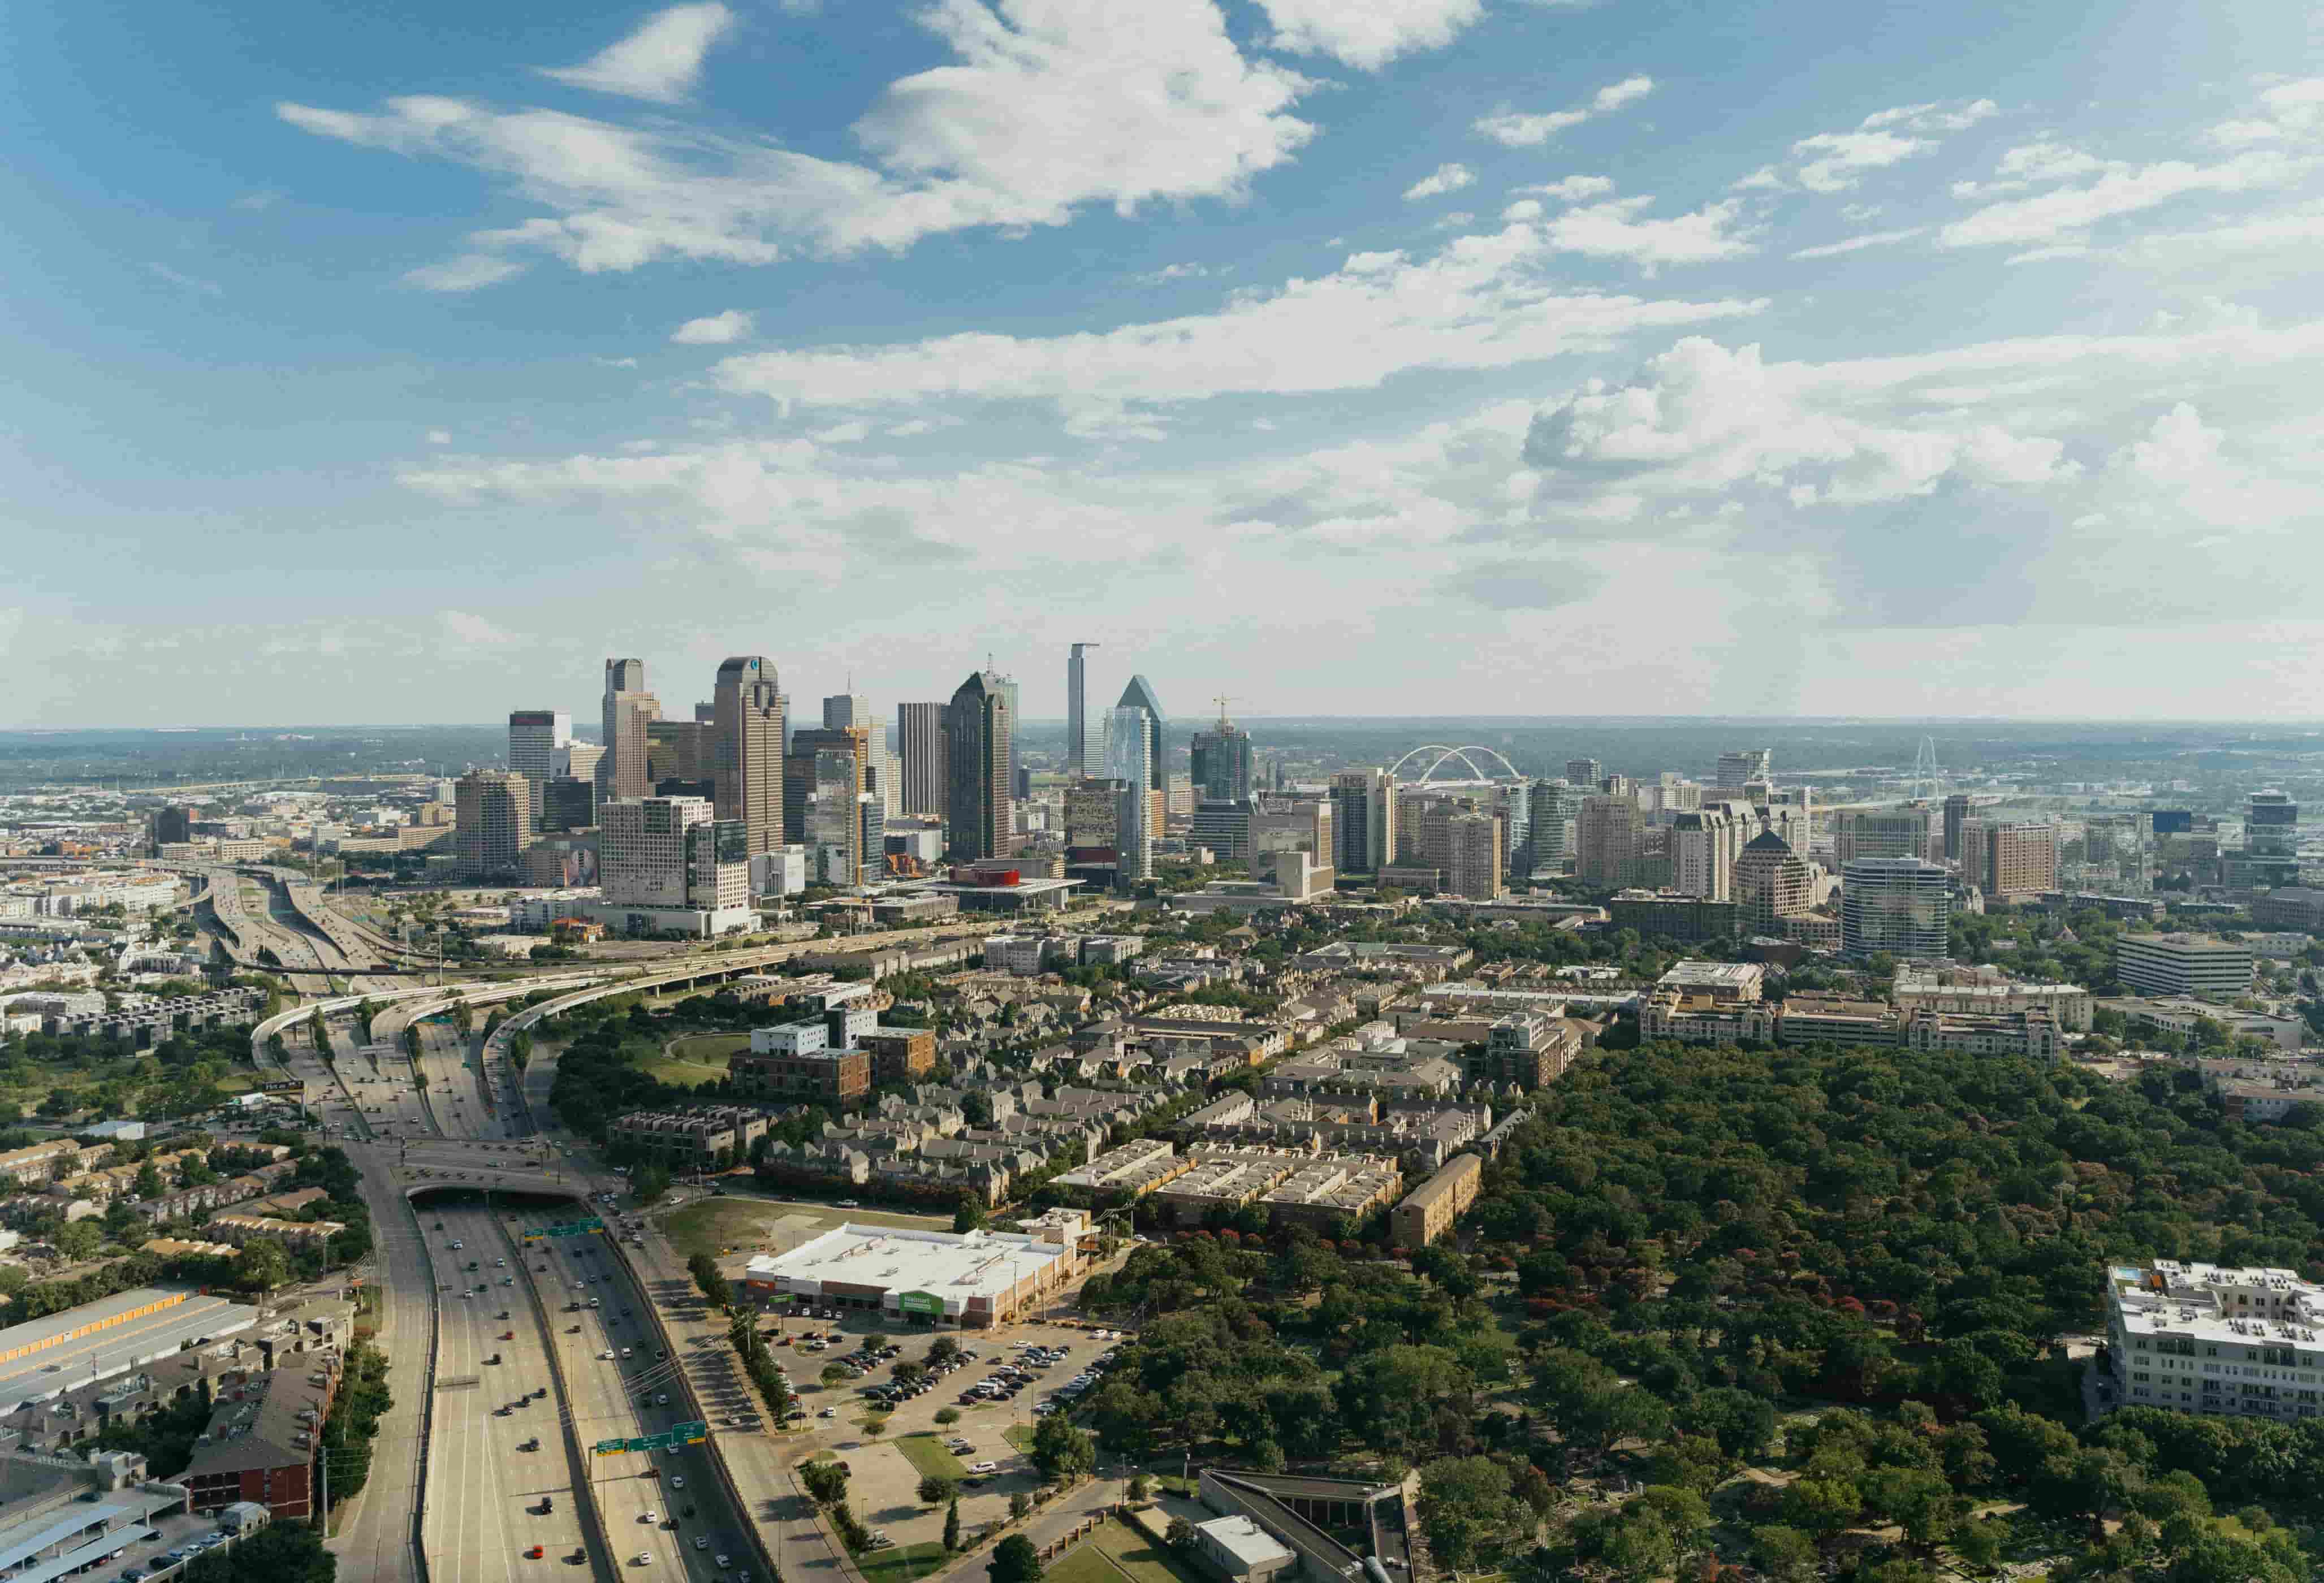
943, 1349
951, 1524
1062, 1451
875, 1340
282, 1553
834, 1374
709, 1279
935, 1489
826, 1482
947, 1416
1978, 1544
80, 1240
650, 1182
149, 1182
1015, 1560
969, 1215
1470, 1511
1785, 1554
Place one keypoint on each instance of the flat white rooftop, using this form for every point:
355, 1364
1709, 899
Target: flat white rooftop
956, 1267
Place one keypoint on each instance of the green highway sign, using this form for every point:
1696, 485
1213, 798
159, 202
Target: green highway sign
610, 1448
688, 1434
669, 1439
564, 1228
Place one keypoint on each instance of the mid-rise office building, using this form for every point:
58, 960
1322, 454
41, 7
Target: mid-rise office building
1224, 827
568, 803
670, 865
627, 710
1093, 810
678, 749
979, 731
746, 745
577, 761
493, 824
2182, 964
1744, 768
2269, 857
1902, 905
1363, 819
1283, 824
1584, 773
1956, 817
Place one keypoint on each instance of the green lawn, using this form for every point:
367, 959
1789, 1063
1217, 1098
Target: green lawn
900, 1564
927, 1453
712, 1224
1019, 1435
1117, 1553
696, 1058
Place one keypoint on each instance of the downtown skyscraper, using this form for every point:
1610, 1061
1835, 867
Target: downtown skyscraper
627, 709
979, 736
746, 749
534, 737
920, 759
1077, 712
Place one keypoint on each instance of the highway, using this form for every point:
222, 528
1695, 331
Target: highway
498, 1449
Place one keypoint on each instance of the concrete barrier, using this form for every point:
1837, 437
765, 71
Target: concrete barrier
593, 1532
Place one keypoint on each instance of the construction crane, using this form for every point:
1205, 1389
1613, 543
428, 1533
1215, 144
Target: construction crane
1223, 700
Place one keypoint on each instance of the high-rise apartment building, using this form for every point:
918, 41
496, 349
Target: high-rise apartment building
534, 736
978, 732
1705, 843
1771, 884
1902, 905
2008, 859
1363, 819
746, 749
1584, 773
1472, 866
1221, 759
492, 823
1606, 831
1078, 759
1740, 768
1910, 831
1133, 740
920, 759
1551, 840
627, 709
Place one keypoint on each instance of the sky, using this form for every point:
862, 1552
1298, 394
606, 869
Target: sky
379, 363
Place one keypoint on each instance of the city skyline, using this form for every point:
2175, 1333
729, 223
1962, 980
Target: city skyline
1879, 361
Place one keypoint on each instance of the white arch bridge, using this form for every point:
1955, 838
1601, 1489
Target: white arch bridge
1444, 754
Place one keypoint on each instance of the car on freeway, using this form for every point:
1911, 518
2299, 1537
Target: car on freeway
701, 1543
642, 1559
677, 1481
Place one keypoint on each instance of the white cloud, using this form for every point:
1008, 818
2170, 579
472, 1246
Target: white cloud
1445, 179
1177, 271
1525, 209
474, 631
1573, 189
1049, 105
1614, 230
1482, 302
1838, 161
842, 434
258, 202
162, 272
615, 361
1519, 130
2122, 190
439, 437
465, 273
1367, 36
1858, 244
662, 61
717, 330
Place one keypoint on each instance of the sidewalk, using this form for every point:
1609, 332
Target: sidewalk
1043, 1528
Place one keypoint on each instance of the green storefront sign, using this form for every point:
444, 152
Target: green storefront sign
925, 1304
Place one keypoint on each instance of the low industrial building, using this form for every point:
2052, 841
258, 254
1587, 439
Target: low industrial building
111, 1336
1329, 1526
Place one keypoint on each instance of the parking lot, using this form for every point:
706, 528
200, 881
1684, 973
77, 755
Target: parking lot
151, 1558
884, 1471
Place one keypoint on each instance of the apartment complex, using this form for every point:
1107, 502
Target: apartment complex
1436, 1204
2009, 860
695, 1138
1902, 905
2215, 1341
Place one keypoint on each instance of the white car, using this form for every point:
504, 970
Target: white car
647, 1515
700, 1542
984, 1467
722, 1560
643, 1559
605, 1358
662, 1399
677, 1481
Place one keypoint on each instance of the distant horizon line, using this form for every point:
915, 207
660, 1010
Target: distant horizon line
2316, 723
